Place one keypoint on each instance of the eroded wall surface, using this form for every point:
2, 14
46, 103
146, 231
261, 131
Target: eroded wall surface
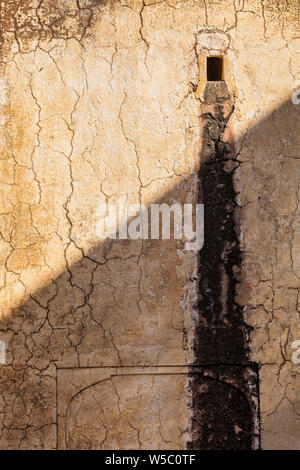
107, 99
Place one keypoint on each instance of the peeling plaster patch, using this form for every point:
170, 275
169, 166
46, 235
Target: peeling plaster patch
212, 41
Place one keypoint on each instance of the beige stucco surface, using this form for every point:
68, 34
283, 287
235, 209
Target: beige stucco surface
100, 100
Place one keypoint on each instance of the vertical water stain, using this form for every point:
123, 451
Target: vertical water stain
224, 388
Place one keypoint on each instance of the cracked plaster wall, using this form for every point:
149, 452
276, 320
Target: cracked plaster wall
98, 99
